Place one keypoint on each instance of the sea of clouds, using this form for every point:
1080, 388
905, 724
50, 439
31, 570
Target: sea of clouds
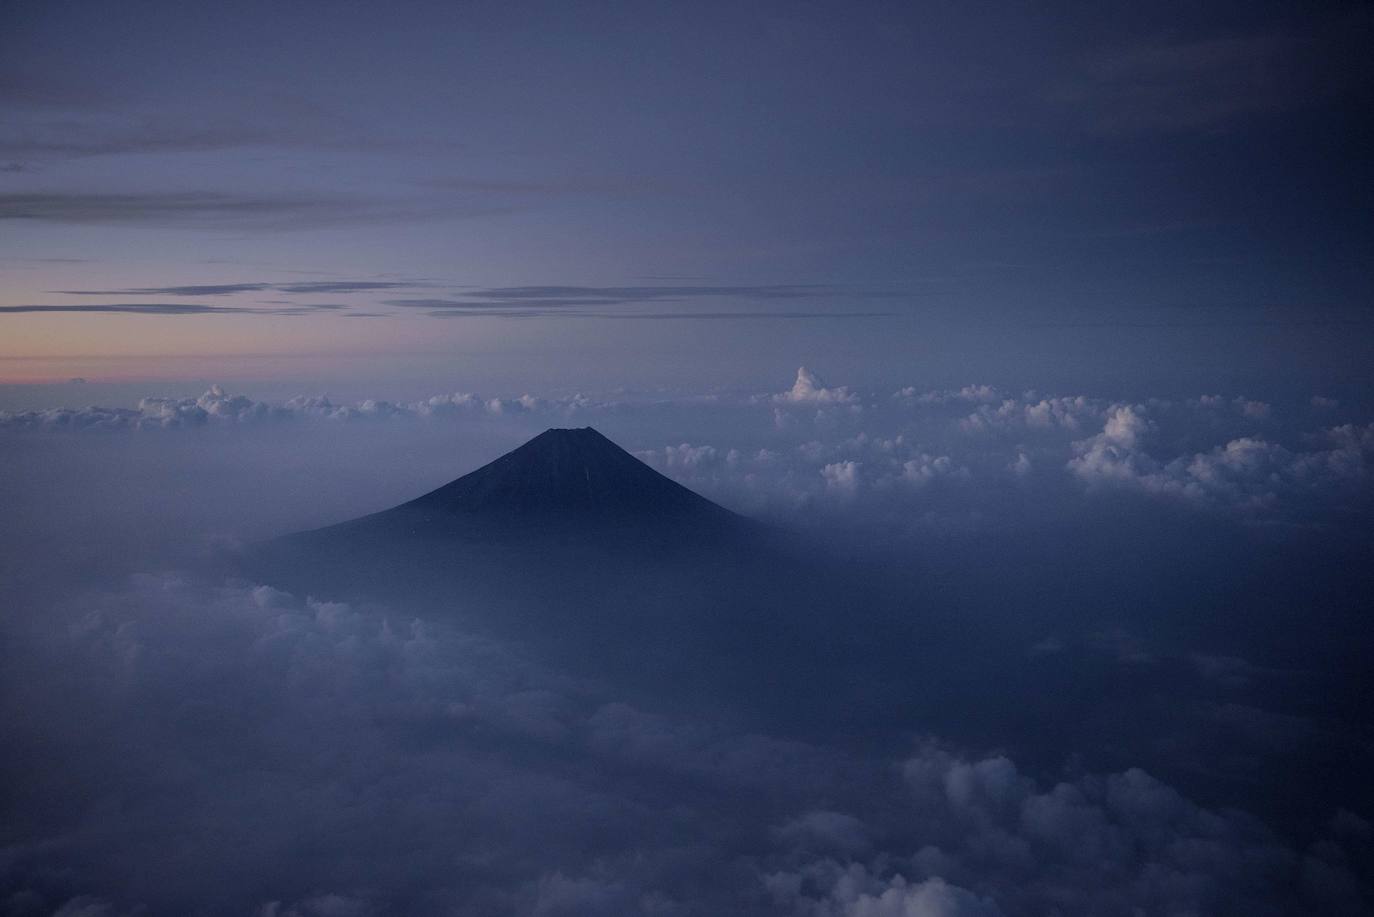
235, 749
1179, 578
775, 453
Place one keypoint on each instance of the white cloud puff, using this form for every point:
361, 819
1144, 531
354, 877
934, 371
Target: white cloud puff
216, 407
808, 389
841, 478
365, 760
969, 394
899, 458
984, 839
1247, 473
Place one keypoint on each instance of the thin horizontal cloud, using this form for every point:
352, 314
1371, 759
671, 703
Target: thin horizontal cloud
226, 289
217, 210
163, 308
498, 302
344, 286
546, 186
206, 289
642, 293
1213, 323
490, 305
72, 137
192, 208
591, 301
52, 118
1214, 82
554, 313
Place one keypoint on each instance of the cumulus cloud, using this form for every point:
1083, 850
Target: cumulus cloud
1248, 473
982, 838
841, 477
1030, 413
217, 407
969, 394
1112, 455
856, 893
925, 468
808, 389
903, 457
362, 760
188, 739
155, 413
359, 760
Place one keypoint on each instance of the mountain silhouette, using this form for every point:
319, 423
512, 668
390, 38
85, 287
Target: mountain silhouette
577, 550
563, 482
569, 520
568, 474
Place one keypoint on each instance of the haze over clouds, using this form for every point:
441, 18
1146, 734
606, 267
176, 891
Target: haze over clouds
181, 733
774, 453
1018, 359
570, 800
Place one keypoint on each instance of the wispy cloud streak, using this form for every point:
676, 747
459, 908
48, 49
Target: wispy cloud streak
164, 308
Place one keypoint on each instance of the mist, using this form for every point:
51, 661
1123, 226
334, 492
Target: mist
980, 653
841, 459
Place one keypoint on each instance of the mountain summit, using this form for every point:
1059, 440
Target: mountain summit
567, 473
562, 482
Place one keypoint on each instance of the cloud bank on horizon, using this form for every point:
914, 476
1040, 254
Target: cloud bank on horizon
816, 445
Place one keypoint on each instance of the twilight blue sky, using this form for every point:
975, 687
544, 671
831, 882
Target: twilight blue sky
417, 194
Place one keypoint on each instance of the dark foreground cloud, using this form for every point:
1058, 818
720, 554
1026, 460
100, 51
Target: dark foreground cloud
243, 750
1128, 678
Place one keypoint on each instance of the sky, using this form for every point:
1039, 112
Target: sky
1036, 337
600, 195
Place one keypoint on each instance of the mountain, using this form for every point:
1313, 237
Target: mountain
564, 482
592, 560
569, 475
531, 543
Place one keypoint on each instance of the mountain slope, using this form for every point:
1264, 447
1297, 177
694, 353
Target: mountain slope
569, 473
564, 482
583, 554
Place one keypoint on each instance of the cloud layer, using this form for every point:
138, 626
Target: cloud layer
911, 453
246, 750
1087, 654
